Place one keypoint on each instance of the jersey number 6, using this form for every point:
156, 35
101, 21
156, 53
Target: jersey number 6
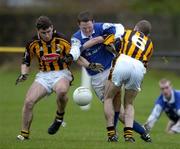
139, 42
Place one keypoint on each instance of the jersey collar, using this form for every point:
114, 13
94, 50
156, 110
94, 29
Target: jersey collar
172, 100
84, 36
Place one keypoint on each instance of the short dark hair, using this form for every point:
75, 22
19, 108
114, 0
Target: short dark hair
85, 16
144, 26
43, 22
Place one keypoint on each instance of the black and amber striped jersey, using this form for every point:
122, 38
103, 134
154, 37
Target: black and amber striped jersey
49, 54
136, 45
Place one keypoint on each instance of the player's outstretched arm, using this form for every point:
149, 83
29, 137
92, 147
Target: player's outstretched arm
77, 47
24, 74
93, 42
154, 116
111, 48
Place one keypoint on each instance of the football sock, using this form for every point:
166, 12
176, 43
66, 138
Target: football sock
111, 131
138, 128
25, 134
116, 118
128, 132
59, 116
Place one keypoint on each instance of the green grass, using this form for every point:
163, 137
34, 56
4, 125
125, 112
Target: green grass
85, 129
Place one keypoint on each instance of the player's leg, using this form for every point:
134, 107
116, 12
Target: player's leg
132, 86
34, 94
129, 97
98, 84
61, 89
137, 127
117, 105
117, 74
110, 91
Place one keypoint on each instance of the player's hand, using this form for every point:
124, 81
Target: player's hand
96, 67
68, 58
111, 48
21, 78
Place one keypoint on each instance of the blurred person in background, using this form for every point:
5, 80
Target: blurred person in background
93, 44
169, 102
54, 75
128, 70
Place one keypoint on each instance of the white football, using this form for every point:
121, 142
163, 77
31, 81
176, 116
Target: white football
82, 96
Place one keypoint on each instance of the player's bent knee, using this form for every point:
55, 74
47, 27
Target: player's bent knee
61, 90
28, 104
61, 94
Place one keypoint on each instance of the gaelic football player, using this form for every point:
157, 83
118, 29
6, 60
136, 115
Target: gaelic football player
128, 70
54, 75
169, 102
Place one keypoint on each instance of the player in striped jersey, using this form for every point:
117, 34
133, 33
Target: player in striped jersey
129, 68
49, 47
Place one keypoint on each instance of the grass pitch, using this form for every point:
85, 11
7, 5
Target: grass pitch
84, 129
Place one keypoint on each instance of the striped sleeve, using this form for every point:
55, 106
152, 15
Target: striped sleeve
151, 52
28, 54
109, 39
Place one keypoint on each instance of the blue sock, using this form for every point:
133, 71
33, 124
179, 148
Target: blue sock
116, 118
138, 128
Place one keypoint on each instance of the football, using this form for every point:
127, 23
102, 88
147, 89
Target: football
82, 96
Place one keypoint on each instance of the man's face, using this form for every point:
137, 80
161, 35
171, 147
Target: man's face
46, 34
86, 28
166, 89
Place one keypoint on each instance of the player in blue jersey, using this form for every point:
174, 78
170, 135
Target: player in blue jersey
99, 58
169, 102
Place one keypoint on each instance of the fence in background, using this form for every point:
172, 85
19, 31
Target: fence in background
167, 60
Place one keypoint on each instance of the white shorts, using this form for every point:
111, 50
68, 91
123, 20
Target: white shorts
98, 83
49, 79
128, 71
176, 128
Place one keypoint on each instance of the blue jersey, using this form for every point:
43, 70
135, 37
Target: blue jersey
170, 107
97, 53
